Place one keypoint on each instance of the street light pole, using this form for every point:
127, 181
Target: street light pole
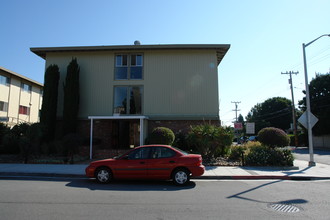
308, 104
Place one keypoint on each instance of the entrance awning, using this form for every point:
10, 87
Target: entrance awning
142, 127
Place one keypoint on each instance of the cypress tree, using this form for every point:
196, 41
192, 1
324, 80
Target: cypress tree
71, 98
49, 103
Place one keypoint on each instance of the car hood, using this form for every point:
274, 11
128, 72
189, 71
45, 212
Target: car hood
102, 161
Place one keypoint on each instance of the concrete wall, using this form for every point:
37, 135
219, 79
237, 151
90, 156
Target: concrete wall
321, 141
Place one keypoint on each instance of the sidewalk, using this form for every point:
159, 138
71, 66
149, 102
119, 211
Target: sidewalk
300, 171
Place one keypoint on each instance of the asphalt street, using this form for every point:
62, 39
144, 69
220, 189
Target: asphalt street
42, 198
320, 155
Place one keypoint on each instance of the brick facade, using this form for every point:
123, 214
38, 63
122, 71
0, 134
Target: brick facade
105, 139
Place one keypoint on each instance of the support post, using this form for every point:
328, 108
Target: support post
91, 141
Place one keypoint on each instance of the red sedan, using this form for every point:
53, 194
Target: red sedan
149, 162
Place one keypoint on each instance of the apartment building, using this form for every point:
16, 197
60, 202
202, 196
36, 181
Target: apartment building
127, 90
20, 98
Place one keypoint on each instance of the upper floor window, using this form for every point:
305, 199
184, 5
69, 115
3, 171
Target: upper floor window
26, 87
3, 106
4, 80
24, 110
129, 66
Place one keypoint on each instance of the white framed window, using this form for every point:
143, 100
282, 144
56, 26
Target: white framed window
129, 67
26, 87
3, 106
4, 80
23, 110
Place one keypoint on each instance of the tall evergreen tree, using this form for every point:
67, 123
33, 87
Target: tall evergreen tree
49, 103
71, 98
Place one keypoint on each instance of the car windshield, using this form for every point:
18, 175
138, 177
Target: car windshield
120, 155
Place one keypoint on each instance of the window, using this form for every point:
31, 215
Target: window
128, 66
26, 87
162, 152
128, 100
141, 153
24, 110
3, 106
4, 80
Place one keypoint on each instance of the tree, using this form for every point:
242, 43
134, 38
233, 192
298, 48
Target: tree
319, 91
240, 119
274, 112
71, 98
49, 104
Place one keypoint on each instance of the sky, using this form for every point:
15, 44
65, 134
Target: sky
266, 38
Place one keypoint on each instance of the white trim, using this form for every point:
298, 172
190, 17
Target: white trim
118, 117
141, 118
91, 141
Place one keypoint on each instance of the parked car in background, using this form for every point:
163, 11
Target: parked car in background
149, 162
253, 138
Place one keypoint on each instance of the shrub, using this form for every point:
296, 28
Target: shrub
181, 141
71, 143
209, 140
11, 139
273, 137
161, 135
267, 156
236, 152
4, 129
10, 143
303, 139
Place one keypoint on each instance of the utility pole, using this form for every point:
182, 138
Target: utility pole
236, 110
293, 108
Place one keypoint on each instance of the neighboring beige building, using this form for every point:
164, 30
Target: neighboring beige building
125, 91
20, 98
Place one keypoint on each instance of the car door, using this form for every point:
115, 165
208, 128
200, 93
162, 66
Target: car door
162, 162
133, 165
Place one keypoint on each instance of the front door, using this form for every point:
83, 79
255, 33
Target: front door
133, 165
125, 133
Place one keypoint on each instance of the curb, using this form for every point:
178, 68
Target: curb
263, 177
241, 177
7, 174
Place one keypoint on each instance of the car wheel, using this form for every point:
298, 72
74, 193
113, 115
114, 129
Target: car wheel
103, 175
181, 177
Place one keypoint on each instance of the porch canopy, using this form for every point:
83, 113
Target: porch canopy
142, 127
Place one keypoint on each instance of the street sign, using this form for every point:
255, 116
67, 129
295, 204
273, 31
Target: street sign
303, 120
238, 126
250, 128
